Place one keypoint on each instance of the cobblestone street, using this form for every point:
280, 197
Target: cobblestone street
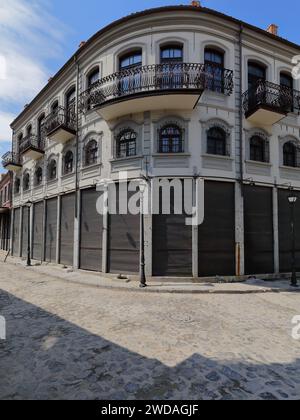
67, 341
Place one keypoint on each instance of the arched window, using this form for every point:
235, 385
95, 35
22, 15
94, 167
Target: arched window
216, 141
40, 130
20, 138
257, 149
68, 162
131, 80
26, 182
171, 54
29, 131
126, 144
289, 154
54, 108
256, 72
71, 105
170, 139
131, 60
214, 69
171, 58
38, 176
91, 153
17, 186
52, 170
287, 91
93, 77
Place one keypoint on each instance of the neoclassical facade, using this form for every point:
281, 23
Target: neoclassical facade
179, 92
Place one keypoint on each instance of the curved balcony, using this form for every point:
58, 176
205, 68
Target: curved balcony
267, 103
11, 162
154, 87
60, 126
32, 147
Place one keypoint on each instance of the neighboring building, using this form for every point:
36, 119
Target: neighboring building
5, 210
175, 92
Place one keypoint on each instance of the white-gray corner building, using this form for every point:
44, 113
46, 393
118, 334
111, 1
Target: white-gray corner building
179, 92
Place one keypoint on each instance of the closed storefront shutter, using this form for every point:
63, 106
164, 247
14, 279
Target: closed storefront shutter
16, 233
216, 243
67, 229
91, 231
51, 230
172, 242
25, 228
124, 242
285, 232
38, 231
258, 225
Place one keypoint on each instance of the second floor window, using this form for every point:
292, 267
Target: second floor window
290, 155
257, 149
52, 170
91, 153
126, 144
216, 141
68, 163
26, 182
38, 176
17, 186
170, 139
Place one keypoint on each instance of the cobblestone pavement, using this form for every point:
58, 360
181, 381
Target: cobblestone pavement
67, 341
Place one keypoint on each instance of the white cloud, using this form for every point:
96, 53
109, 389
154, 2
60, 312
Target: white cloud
29, 35
5, 131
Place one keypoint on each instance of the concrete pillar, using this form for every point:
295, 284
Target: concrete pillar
239, 230
77, 231
58, 230
276, 230
44, 232
105, 237
20, 232
10, 245
195, 237
148, 236
31, 216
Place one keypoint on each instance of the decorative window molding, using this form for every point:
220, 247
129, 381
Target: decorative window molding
170, 121
52, 168
38, 176
262, 134
122, 128
97, 138
285, 141
26, 181
222, 125
69, 166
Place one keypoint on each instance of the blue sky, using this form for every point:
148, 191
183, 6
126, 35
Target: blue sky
38, 36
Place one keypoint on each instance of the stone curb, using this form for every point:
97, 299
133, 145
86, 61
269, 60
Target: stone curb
162, 289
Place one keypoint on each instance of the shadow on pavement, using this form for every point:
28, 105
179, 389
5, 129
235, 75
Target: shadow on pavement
46, 357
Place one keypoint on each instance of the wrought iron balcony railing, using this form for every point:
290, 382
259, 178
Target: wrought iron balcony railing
12, 159
276, 98
32, 142
157, 78
64, 118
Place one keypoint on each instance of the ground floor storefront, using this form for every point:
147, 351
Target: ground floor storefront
5, 229
245, 231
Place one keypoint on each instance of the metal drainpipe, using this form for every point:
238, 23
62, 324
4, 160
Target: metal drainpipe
241, 110
77, 139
